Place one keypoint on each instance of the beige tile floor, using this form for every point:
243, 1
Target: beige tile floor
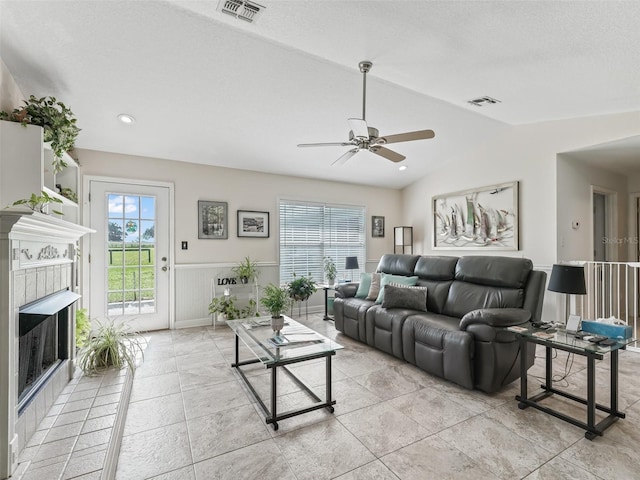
191, 418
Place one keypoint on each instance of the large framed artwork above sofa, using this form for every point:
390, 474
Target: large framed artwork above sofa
484, 218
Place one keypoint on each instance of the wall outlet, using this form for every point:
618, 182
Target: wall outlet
185, 245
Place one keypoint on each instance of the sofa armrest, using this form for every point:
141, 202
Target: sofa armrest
346, 290
495, 317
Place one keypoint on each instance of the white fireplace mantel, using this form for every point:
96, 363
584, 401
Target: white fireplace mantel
29, 242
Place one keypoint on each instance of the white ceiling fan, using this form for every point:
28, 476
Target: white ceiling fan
364, 137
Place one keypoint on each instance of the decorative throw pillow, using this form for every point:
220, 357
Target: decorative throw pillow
375, 287
404, 296
365, 285
388, 278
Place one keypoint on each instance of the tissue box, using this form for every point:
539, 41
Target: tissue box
611, 331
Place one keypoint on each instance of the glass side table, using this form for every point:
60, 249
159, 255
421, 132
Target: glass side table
569, 343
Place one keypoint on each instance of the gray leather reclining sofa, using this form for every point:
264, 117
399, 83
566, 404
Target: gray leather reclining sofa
462, 336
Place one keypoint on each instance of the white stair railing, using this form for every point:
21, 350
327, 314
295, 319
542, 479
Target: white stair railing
612, 290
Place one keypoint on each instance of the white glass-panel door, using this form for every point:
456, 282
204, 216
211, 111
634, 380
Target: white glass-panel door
129, 265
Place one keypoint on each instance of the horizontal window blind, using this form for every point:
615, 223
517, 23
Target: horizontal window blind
311, 231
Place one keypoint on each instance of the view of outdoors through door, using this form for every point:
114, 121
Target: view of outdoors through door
131, 255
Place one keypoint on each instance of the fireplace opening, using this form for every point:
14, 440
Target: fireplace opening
44, 342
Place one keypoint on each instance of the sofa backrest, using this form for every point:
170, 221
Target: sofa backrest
487, 282
437, 274
457, 285
397, 264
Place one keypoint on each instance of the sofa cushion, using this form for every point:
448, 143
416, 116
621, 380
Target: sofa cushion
509, 272
397, 295
386, 278
374, 288
398, 264
464, 297
436, 268
364, 285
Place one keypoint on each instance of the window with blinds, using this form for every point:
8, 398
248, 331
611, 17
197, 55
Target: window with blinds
311, 231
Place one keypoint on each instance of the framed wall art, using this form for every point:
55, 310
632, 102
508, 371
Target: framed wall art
253, 224
377, 227
484, 218
212, 220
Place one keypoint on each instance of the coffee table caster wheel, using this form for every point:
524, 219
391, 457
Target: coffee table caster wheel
275, 426
331, 409
590, 435
522, 406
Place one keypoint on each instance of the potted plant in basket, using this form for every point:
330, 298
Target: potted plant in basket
301, 288
247, 270
330, 270
276, 300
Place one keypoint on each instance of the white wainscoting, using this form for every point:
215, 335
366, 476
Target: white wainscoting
194, 290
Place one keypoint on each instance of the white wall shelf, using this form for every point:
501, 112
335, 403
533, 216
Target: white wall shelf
26, 168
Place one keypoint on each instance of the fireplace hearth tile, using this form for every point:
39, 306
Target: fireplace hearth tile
44, 473
83, 394
64, 431
54, 449
103, 410
81, 465
77, 405
106, 399
72, 417
92, 439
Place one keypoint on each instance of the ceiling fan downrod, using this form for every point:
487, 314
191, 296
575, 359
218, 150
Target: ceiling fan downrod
365, 66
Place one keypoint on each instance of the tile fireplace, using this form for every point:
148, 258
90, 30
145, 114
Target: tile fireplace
37, 305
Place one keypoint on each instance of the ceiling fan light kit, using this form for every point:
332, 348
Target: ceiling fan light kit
364, 137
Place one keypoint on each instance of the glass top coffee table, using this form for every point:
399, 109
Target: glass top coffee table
296, 343
568, 342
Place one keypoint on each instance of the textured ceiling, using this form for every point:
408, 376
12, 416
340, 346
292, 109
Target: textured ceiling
207, 88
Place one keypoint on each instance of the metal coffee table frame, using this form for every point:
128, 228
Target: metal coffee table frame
592, 429
271, 414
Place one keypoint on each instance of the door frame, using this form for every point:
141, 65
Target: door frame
611, 221
85, 245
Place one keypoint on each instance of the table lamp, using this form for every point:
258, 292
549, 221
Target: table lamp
567, 279
351, 263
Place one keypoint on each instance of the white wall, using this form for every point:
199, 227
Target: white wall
575, 179
526, 153
10, 94
244, 190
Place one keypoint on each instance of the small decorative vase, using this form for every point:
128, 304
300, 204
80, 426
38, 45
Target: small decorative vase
277, 323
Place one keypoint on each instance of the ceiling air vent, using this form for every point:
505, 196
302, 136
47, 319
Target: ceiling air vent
242, 9
482, 101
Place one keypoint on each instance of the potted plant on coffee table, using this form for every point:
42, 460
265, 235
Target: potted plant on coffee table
276, 300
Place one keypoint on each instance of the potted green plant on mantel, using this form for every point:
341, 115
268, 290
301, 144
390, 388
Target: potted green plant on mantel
276, 300
57, 121
38, 203
330, 270
246, 271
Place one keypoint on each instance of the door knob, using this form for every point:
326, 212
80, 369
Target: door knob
165, 268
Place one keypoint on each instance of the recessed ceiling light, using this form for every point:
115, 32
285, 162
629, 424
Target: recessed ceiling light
124, 118
402, 168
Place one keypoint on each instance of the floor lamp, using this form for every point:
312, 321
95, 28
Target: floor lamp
567, 279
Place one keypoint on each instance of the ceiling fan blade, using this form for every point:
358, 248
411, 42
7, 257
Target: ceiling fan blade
386, 153
330, 144
406, 137
359, 128
346, 156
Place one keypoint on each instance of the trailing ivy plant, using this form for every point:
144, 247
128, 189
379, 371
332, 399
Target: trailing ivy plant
38, 203
57, 121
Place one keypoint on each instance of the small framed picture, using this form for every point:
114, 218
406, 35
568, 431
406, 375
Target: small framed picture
377, 226
212, 220
253, 224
